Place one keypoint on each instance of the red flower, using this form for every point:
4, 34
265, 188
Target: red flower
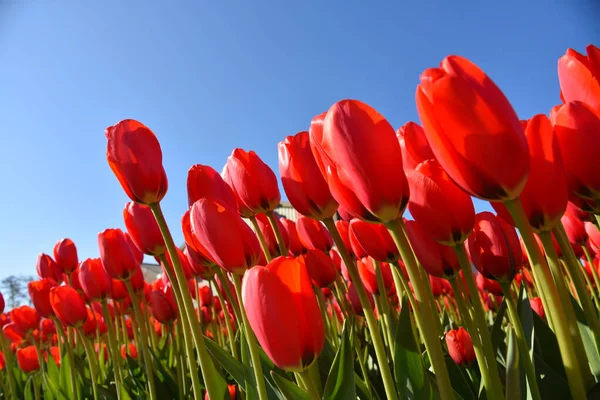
265, 228
579, 77
253, 183
231, 389
320, 268
28, 359
227, 239
574, 228
302, 180
437, 259
593, 234
65, 254
39, 291
313, 234
578, 132
296, 247
538, 307
471, 127
183, 260
2, 304
488, 285
13, 333
460, 346
118, 259
46, 267
143, 229
130, 350
135, 157
374, 239
366, 269
494, 247
195, 249
343, 227
95, 282
442, 209
68, 305
203, 181
163, 306
359, 156
26, 318
206, 295
354, 301
414, 145
283, 313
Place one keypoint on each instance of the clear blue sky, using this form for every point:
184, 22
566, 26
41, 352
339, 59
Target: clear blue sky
208, 76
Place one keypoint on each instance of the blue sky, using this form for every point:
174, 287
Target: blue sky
209, 76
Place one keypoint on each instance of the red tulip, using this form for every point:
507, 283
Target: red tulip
116, 255
313, 234
47, 327
578, 132
39, 291
460, 346
296, 247
204, 315
46, 267
415, 148
13, 333
366, 270
143, 229
95, 282
253, 183
283, 313
163, 306
359, 156
574, 228
227, 239
26, 318
337, 259
92, 322
206, 295
320, 268
203, 181
135, 157
130, 350
265, 228
538, 307
488, 285
437, 259
471, 127
188, 272
2, 304
374, 240
544, 197
593, 234
65, 254
195, 249
442, 209
118, 290
494, 247
343, 227
354, 301
579, 77
230, 388
28, 359
68, 305
302, 180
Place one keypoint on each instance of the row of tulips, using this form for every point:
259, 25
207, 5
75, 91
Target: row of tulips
368, 305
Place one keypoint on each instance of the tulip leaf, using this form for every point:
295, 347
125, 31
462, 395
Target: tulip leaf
513, 371
340, 382
526, 317
411, 379
588, 338
461, 383
325, 360
496, 332
167, 382
362, 390
290, 390
29, 388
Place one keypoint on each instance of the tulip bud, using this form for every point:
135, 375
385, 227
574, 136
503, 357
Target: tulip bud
320, 268
374, 240
65, 254
68, 306
579, 77
39, 291
95, 282
143, 229
204, 182
460, 346
313, 234
27, 359
117, 258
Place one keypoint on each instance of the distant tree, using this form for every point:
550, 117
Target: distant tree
14, 290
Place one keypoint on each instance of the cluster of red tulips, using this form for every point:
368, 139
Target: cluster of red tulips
351, 300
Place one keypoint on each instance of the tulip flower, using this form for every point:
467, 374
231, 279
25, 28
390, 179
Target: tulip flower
204, 181
271, 241
129, 350
575, 229
320, 268
39, 291
28, 359
373, 240
366, 270
360, 158
302, 180
313, 234
538, 307
26, 318
13, 332
46, 267
68, 306
135, 157
579, 77
206, 295
354, 301
253, 183
143, 229
343, 227
163, 306
488, 285
65, 254
95, 282
545, 195
283, 313
414, 145
593, 234
437, 259
196, 253
460, 346
117, 258
295, 245
2, 304
471, 127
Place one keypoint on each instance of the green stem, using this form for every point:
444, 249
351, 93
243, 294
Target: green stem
209, 372
479, 321
89, 351
8, 361
428, 329
114, 350
515, 320
143, 337
230, 336
227, 289
72, 376
380, 353
177, 336
275, 226
36, 390
385, 307
555, 307
323, 308
252, 344
261, 239
310, 386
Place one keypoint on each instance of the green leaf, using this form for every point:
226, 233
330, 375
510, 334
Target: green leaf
410, 375
496, 333
362, 390
325, 360
513, 371
340, 382
588, 338
290, 390
460, 380
29, 388
164, 381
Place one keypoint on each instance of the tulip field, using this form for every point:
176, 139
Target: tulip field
389, 285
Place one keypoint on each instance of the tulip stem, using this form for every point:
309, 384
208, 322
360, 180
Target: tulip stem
577, 277
232, 345
143, 337
429, 329
475, 338
555, 307
385, 306
275, 226
213, 384
114, 350
9, 361
323, 308
310, 386
89, 351
72, 376
252, 344
513, 316
261, 239
388, 381
224, 279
